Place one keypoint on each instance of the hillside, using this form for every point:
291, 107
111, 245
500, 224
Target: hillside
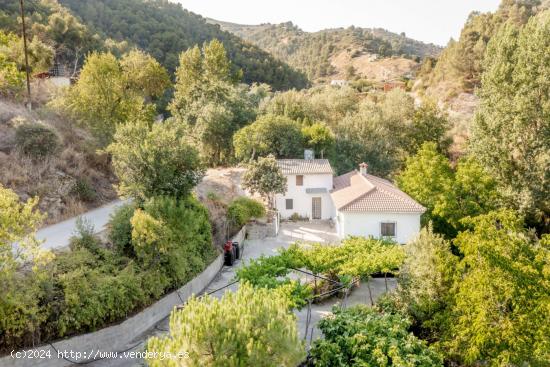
460, 65
331, 52
453, 78
161, 28
164, 29
68, 175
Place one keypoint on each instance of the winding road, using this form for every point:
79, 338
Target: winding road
58, 235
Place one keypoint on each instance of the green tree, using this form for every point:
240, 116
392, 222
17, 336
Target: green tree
173, 237
425, 279
18, 222
269, 134
21, 268
449, 195
374, 134
264, 177
473, 192
318, 137
163, 29
153, 159
40, 55
110, 92
258, 331
429, 123
69, 38
500, 315
427, 177
511, 130
361, 336
12, 62
11, 79
208, 102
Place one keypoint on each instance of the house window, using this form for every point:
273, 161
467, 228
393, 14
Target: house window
289, 204
300, 180
387, 229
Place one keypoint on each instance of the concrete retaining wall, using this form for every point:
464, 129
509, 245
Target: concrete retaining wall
117, 337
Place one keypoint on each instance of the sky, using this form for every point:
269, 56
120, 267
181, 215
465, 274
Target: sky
434, 21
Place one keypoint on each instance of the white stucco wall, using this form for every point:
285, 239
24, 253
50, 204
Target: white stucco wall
368, 224
302, 200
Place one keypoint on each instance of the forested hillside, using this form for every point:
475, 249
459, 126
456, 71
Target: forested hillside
320, 54
460, 65
159, 27
164, 29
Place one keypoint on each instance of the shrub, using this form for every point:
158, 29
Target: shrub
250, 327
272, 273
425, 280
173, 236
90, 286
36, 140
295, 217
86, 291
85, 237
120, 229
242, 209
362, 336
93, 298
83, 190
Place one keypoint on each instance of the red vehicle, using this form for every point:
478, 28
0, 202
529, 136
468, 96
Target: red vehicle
232, 252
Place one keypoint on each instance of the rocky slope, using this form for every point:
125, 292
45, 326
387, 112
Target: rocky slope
75, 179
330, 53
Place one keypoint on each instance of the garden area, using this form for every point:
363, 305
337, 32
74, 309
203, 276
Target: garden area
262, 327
440, 302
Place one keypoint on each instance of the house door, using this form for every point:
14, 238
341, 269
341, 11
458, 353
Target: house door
316, 208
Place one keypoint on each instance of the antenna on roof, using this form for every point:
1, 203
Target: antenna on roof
309, 154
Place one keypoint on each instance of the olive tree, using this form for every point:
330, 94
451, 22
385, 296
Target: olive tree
110, 92
152, 159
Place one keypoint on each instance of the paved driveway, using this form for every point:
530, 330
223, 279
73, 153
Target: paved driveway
307, 232
58, 235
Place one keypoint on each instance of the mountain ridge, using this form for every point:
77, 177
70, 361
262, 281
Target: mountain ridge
317, 53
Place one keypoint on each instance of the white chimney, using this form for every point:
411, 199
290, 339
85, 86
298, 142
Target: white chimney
309, 154
363, 167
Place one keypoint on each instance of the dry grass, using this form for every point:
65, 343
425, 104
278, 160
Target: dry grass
377, 70
52, 179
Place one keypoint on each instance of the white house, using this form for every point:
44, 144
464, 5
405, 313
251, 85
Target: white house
339, 83
359, 203
366, 205
309, 182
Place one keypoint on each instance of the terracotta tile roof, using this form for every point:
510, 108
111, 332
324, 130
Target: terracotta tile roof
304, 166
355, 192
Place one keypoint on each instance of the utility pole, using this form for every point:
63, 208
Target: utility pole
29, 101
